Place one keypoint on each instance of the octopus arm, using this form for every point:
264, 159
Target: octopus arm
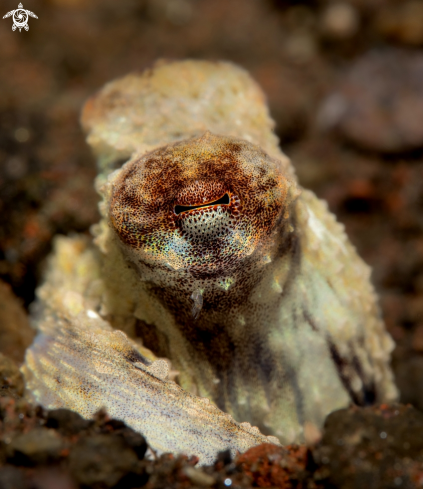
79, 362
340, 305
82, 365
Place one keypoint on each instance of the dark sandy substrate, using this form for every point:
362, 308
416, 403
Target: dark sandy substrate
371, 448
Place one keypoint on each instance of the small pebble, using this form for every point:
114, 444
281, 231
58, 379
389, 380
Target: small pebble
340, 21
38, 446
198, 477
22, 134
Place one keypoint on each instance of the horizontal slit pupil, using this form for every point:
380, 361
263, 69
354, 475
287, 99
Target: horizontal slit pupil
182, 208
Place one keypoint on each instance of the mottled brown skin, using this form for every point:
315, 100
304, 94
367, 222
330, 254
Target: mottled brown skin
148, 194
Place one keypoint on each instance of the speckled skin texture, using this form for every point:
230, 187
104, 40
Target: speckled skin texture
211, 254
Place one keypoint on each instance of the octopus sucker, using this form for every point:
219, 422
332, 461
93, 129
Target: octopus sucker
210, 264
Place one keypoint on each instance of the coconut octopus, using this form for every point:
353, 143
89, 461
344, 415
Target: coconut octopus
210, 265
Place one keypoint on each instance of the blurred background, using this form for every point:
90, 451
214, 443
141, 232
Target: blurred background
344, 81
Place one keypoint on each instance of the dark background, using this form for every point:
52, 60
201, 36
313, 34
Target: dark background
344, 81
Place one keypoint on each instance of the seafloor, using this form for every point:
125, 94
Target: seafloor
344, 81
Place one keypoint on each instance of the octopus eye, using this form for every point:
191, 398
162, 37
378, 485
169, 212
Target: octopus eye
184, 208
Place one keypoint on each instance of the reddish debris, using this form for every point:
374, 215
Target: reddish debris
273, 466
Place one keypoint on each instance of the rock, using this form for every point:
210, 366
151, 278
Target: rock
103, 459
272, 466
11, 380
378, 104
67, 422
134, 440
372, 448
15, 332
59, 448
39, 446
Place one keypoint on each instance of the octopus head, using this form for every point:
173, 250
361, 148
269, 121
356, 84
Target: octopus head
204, 207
